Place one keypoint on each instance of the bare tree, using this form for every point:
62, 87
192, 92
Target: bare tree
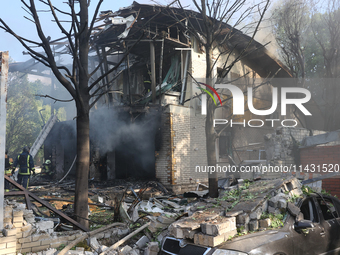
309, 43
326, 31
290, 23
328, 25
75, 79
211, 30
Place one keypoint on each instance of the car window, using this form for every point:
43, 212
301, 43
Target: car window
327, 208
337, 206
308, 210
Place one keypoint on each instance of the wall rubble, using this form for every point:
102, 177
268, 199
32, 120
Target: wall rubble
23, 234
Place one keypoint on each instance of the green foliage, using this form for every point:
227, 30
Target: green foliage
264, 215
245, 185
307, 191
308, 41
249, 196
60, 247
276, 219
325, 192
231, 195
276, 223
233, 205
23, 122
240, 229
294, 198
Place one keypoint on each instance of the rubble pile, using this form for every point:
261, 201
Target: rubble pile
30, 234
240, 209
148, 215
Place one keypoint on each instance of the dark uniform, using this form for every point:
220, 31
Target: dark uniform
26, 166
47, 171
8, 170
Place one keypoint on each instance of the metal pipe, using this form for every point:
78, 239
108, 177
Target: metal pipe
128, 78
153, 71
185, 76
160, 71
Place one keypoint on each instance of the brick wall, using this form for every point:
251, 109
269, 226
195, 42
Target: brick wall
22, 234
183, 150
318, 156
164, 155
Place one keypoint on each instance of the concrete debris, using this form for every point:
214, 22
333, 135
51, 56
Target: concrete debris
212, 241
47, 252
149, 207
134, 252
123, 212
263, 224
141, 243
125, 250
201, 193
242, 206
93, 243
152, 249
218, 226
165, 219
246, 208
162, 235
156, 226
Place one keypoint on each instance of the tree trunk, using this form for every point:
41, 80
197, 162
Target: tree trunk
83, 122
211, 152
209, 128
83, 162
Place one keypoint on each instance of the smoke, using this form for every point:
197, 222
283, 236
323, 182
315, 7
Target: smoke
131, 136
265, 35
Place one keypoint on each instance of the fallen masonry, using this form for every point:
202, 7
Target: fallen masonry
245, 206
248, 207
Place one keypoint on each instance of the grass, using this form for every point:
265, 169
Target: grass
276, 219
100, 219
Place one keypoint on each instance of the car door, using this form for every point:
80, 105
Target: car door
312, 241
329, 209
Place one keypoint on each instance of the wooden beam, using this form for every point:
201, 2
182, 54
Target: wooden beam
46, 204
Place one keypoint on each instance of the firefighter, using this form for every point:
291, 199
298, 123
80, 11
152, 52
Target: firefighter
8, 170
26, 167
147, 82
47, 170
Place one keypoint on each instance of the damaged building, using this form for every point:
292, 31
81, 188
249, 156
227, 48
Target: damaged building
149, 123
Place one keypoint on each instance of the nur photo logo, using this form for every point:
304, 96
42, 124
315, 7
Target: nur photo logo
238, 104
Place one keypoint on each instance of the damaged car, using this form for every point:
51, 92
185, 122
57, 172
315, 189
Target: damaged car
310, 227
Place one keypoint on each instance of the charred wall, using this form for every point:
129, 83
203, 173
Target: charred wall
122, 141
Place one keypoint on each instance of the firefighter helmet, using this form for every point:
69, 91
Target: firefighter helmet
26, 149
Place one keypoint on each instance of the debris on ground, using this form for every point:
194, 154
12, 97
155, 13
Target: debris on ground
247, 206
151, 213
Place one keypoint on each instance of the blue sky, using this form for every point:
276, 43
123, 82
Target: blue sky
13, 14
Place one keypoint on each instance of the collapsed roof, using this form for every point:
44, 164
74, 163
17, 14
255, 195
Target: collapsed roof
125, 26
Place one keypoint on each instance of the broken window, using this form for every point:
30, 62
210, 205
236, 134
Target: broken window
225, 148
336, 203
309, 211
328, 210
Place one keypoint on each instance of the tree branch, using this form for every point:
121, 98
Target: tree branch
99, 88
55, 99
94, 17
116, 66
